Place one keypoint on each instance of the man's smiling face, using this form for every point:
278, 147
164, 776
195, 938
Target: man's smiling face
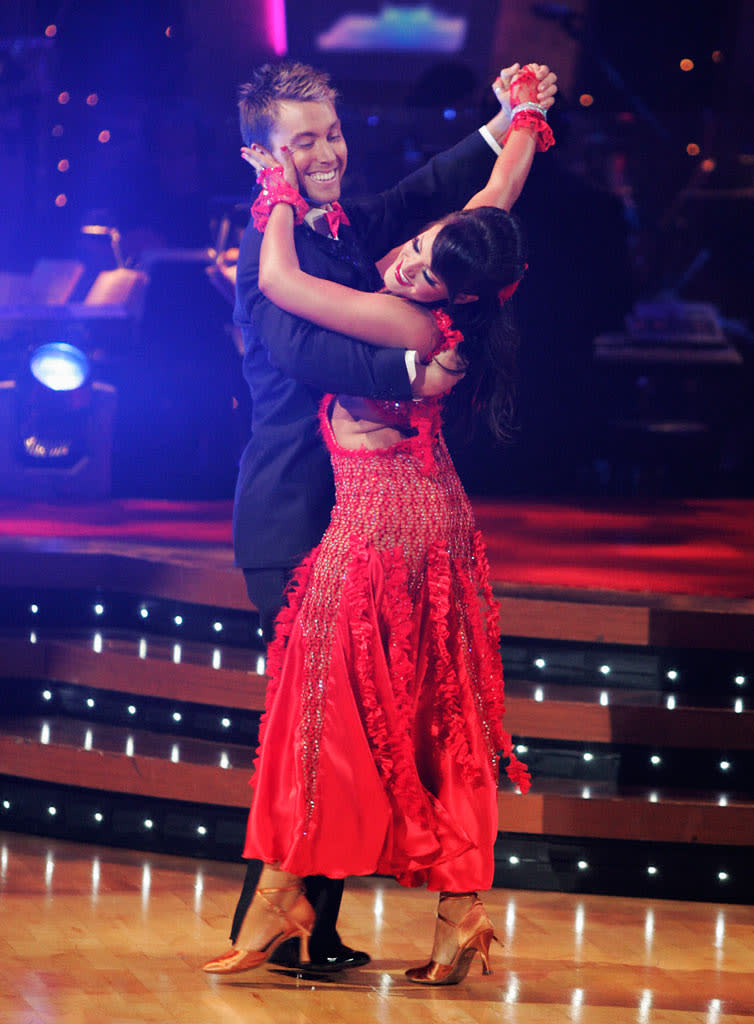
312, 133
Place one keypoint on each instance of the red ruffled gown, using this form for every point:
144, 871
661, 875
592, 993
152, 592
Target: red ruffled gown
379, 743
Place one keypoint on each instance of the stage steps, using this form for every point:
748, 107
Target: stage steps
233, 677
115, 717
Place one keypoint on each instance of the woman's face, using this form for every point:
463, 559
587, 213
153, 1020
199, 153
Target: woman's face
409, 274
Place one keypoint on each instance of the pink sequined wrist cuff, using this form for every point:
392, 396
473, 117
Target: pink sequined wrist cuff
275, 189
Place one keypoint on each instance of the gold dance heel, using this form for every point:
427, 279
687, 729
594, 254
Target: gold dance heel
475, 933
298, 920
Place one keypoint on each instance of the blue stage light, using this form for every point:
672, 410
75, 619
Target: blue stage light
59, 366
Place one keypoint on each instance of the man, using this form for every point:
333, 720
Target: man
285, 487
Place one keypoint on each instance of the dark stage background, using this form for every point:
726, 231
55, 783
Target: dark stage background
123, 116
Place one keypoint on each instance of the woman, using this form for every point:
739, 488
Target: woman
385, 684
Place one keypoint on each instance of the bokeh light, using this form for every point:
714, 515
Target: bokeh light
51, 31
63, 166
104, 135
61, 199
586, 99
64, 97
687, 65
692, 149
92, 99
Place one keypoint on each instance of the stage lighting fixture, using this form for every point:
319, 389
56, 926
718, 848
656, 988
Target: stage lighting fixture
59, 366
54, 398
56, 424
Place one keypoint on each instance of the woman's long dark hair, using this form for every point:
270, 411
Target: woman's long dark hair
478, 252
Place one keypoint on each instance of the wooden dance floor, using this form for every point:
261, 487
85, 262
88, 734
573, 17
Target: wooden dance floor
91, 935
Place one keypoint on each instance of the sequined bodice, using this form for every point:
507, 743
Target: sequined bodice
393, 500
407, 495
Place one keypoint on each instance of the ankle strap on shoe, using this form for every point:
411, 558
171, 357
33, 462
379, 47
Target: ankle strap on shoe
474, 897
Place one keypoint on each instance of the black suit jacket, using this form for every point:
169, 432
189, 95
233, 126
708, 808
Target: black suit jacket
285, 492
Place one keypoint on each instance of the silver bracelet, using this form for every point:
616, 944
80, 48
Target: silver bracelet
529, 106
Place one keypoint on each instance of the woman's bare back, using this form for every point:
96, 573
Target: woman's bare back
362, 423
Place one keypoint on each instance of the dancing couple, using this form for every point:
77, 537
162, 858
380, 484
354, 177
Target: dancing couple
379, 745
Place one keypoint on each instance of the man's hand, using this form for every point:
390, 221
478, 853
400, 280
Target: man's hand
548, 85
546, 91
502, 85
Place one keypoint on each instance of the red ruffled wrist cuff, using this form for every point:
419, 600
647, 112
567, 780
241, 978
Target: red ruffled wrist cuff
531, 119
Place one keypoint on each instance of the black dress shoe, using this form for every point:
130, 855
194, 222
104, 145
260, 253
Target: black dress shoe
341, 959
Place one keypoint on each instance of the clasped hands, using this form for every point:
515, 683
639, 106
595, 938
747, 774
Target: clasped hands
547, 86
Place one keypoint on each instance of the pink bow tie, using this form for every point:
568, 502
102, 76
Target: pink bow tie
335, 217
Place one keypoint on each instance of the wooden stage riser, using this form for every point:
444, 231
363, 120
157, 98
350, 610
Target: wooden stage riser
684, 727
218, 588
625, 818
558, 617
540, 814
137, 775
57, 661
588, 622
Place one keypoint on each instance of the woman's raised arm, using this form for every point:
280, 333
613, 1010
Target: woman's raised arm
512, 166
